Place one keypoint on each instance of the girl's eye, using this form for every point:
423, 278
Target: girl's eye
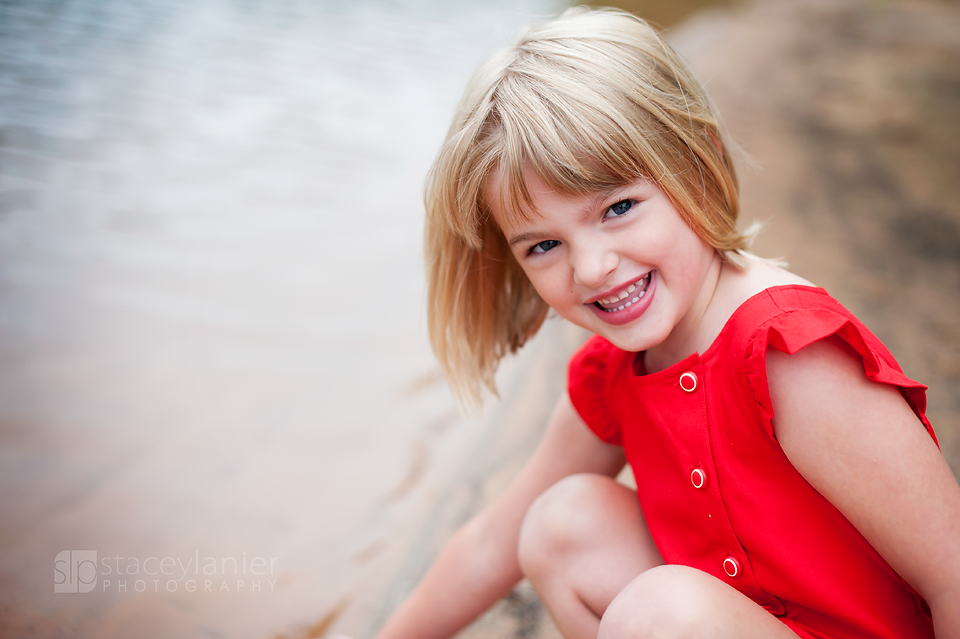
618, 209
542, 247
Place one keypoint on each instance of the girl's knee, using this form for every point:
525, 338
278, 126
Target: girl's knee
665, 601
567, 517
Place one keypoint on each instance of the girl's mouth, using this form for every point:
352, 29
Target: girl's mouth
629, 303
625, 298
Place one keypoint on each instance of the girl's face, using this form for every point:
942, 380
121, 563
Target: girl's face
622, 263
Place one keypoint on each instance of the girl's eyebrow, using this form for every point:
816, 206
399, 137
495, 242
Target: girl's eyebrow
587, 212
523, 237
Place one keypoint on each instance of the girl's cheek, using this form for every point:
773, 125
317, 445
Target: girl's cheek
543, 290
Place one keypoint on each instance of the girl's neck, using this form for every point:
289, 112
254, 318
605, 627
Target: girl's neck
688, 335
725, 288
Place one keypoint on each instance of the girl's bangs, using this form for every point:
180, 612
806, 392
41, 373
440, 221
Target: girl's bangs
574, 159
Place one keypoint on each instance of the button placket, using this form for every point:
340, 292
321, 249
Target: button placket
678, 420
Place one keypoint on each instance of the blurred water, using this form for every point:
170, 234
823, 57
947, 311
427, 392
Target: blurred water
211, 303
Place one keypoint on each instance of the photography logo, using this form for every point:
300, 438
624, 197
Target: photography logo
75, 571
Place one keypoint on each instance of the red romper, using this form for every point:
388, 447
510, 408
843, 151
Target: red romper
716, 489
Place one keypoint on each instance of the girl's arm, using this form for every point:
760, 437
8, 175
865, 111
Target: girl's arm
479, 565
861, 446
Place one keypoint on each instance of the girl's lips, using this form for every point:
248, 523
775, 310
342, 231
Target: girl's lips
620, 298
631, 312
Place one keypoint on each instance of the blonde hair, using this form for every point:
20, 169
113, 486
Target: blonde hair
592, 100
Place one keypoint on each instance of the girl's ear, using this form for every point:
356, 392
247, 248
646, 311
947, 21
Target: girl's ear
716, 142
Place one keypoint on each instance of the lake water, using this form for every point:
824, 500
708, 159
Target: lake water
215, 372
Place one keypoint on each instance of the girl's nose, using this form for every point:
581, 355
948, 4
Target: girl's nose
592, 266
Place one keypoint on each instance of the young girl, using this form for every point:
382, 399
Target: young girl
788, 482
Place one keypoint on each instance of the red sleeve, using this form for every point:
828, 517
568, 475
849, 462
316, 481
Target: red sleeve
793, 330
589, 384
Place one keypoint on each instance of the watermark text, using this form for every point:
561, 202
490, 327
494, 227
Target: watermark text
77, 571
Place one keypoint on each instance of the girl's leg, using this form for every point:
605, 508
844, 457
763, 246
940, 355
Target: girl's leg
582, 542
681, 603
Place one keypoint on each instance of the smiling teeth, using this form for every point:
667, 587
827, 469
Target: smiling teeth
623, 295
623, 306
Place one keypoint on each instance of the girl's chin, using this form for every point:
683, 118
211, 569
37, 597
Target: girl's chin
629, 343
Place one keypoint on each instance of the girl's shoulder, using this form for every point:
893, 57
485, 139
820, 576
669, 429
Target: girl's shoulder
736, 285
767, 307
788, 318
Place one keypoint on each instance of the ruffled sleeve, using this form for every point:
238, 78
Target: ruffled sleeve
589, 385
792, 330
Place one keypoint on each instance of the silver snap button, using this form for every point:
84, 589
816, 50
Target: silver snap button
688, 382
731, 566
698, 478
